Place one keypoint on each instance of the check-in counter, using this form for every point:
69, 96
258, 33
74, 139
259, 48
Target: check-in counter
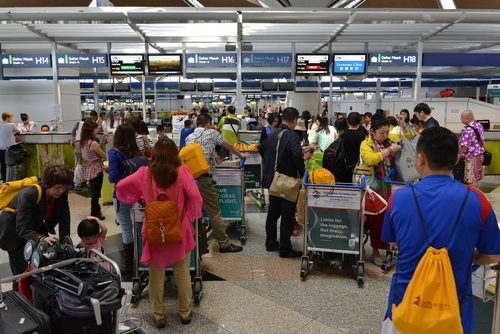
46, 148
249, 135
492, 144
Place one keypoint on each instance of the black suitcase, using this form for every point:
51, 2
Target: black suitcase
19, 316
459, 170
44, 299
15, 172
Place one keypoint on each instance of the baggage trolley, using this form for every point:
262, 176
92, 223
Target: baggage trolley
391, 256
230, 181
333, 223
253, 177
495, 325
97, 257
140, 271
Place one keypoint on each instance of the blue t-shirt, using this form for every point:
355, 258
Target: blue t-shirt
184, 133
440, 198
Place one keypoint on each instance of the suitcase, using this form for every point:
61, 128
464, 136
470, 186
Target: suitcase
15, 172
44, 299
19, 316
459, 170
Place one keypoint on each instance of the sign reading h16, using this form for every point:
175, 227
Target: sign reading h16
26, 60
393, 59
211, 59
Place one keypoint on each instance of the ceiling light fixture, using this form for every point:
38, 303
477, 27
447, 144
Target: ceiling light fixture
446, 4
354, 4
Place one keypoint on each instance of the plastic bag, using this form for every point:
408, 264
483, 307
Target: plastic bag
373, 203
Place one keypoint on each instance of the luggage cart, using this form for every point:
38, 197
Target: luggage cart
391, 256
230, 182
140, 271
333, 223
253, 177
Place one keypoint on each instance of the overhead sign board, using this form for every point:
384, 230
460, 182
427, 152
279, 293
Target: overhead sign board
267, 59
211, 59
393, 59
82, 60
493, 91
26, 60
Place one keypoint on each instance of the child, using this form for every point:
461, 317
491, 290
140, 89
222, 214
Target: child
92, 232
185, 132
160, 131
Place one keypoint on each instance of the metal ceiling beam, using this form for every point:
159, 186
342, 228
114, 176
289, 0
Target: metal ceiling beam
337, 33
133, 26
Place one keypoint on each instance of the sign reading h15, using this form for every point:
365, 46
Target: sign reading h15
393, 59
26, 60
82, 60
267, 59
211, 59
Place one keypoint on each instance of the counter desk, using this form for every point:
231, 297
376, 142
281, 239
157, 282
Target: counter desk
249, 135
492, 144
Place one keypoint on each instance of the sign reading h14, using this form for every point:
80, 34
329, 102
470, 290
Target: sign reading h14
26, 60
393, 59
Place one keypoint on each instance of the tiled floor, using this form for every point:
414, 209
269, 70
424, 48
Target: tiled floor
256, 291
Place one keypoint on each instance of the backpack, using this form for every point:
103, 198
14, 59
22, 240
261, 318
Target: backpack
131, 165
430, 303
9, 190
321, 176
335, 157
316, 161
162, 224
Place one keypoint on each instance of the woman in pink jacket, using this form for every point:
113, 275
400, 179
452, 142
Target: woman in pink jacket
165, 168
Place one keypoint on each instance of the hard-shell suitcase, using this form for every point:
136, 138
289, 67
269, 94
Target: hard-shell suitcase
19, 316
15, 172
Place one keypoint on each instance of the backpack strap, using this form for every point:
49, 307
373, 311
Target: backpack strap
39, 197
121, 153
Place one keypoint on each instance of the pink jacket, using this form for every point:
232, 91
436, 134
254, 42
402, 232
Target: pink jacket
132, 188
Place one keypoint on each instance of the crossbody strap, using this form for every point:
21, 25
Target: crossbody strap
277, 149
477, 134
226, 121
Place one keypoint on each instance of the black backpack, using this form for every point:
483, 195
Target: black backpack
335, 157
132, 164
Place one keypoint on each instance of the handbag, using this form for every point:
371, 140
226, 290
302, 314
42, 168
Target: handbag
284, 186
371, 176
162, 224
404, 160
147, 150
487, 156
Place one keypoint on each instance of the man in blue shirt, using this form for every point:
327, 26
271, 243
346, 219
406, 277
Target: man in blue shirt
475, 240
185, 132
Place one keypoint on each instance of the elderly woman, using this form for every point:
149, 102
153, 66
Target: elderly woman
35, 216
378, 150
164, 173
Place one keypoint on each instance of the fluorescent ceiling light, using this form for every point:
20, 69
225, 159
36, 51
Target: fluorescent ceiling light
354, 4
447, 4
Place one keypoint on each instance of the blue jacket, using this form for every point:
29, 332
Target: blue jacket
184, 133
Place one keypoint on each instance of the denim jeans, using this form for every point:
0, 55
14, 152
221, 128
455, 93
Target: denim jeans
124, 216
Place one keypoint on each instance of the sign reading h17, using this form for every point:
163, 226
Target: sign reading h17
82, 60
393, 59
26, 60
211, 59
267, 59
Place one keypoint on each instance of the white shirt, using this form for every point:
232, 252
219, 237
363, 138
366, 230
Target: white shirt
31, 127
7, 131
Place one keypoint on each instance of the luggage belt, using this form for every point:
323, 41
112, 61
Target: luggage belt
94, 302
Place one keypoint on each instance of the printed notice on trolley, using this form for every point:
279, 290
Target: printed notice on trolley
227, 177
252, 158
333, 198
331, 229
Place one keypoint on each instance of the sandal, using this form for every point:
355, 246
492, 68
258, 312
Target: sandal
295, 233
297, 225
377, 262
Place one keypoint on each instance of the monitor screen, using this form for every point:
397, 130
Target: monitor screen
122, 87
286, 86
105, 87
270, 86
204, 86
165, 64
126, 64
312, 64
349, 63
187, 87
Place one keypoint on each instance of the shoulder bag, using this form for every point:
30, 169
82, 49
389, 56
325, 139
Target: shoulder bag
284, 186
486, 155
147, 150
404, 160
371, 176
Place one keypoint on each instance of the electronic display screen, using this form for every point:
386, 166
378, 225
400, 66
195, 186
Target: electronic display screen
204, 86
349, 63
188, 86
287, 86
165, 64
269, 86
126, 64
312, 64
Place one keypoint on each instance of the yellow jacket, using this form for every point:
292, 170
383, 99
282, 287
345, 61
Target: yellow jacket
367, 149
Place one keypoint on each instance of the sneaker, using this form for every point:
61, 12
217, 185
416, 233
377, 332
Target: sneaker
297, 225
231, 249
295, 233
160, 323
77, 188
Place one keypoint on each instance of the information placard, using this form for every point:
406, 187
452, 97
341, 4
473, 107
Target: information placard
178, 122
230, 201
211, 59
227, 177
311, 64
26, 60
165, 64
393, 59
267, 59
126, 64
253, 176
337, 198
349, 64
82, 60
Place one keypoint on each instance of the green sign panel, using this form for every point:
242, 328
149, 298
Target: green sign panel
493, 92
253, 176
335, 230
230, 202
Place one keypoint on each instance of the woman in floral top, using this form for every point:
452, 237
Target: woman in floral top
472, 149
93, 154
